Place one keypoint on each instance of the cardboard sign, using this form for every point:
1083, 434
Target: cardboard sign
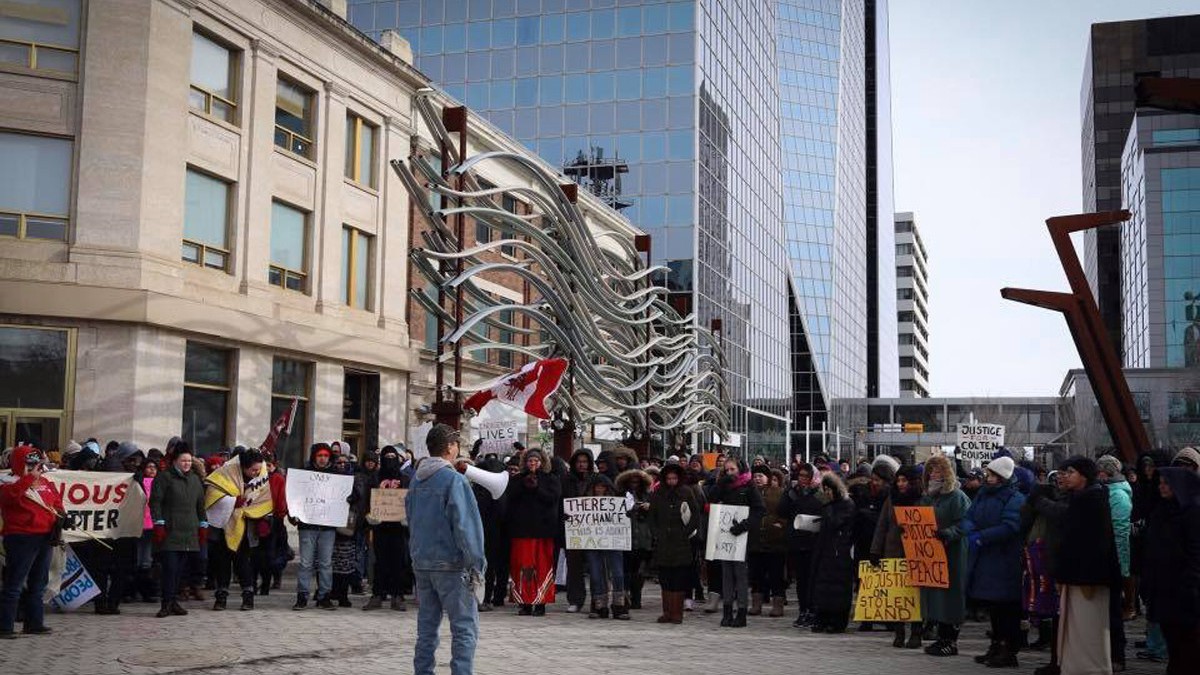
108, 505
978, 442
884, 593
75, 585
925, 553
597, 524
316, 498
709, 460
387, 505
498, 436
721, 544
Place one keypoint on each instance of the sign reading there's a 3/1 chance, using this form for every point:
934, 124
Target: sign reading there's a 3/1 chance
597, 524
977, 442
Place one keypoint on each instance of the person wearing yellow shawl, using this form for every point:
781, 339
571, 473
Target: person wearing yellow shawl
238, 499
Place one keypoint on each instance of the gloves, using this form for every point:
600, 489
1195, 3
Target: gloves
739, 527
264, 528
160, 533
293, 521
975, 539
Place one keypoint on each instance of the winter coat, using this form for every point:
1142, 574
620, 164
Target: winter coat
948, 605
642, 539
21, 514
311, 466
177, 501
1171, 579
888, 541
574, 484
741, 492
1089, 551
533, 512
833, 566
794, 502
868, 507
1041, 517
993, 529
772, 529
445, 532
1120, 507
673, 537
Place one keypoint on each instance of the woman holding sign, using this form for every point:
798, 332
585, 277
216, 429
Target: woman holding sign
393, 570
887, 541
946, 606
735, 489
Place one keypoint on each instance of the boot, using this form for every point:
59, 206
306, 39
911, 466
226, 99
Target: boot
727, 615
264, 588
668, 604
991, 651
1044, 638
219, 602
914, 637
620, 611
375, 602
164, 610
599, 609
540, 610
525, 610
776, 606
803, 619
756, 600
398, 603
301, 601
714, 601
898, 641
739, 621
1005, 657
176, 610
635, 596
247, 600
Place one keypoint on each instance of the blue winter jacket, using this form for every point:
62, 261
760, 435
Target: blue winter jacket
1120, 504
993, 529
445, 532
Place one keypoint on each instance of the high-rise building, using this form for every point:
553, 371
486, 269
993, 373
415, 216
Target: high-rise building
1117, 53
719, 119
1160, 245
912, 308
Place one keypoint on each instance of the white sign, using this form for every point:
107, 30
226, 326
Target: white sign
75, 586
597, 524
416, 440
498, 436
316, 498
722, 544
977, 442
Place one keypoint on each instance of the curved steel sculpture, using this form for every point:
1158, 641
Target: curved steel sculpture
634, 360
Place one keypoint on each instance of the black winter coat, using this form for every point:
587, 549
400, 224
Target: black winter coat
797, 502
1171, 576
533, 511
867, 507
1090, 557
672, 537
833, 566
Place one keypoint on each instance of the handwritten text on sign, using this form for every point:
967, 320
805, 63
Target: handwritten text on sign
926, 555
387, 506
722, 544
316, 498
978, 442
597, 524
497, 435
884, 593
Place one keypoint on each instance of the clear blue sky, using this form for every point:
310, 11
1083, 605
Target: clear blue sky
985, 105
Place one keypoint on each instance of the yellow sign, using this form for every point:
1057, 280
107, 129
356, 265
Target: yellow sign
884, 593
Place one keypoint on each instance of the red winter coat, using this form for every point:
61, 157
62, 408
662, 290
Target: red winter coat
23, 515
278, 483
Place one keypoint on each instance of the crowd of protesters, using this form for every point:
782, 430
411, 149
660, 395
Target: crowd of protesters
1056, 560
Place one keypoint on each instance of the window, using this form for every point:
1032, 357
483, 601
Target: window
42, 35
291, 380
289, 248
511, 205
207, 382
504, 357
35, 186
214, 76
37, 367
360, 150
431, 320
357, 258
294, 118
206, 221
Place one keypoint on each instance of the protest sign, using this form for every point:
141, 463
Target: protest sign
722, 545
977, 442
597, 523
106, 505
926, 555
316, 498
387, 505
884, 593
75, 585
498, 435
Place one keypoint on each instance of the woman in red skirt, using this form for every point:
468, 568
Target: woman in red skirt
533, 505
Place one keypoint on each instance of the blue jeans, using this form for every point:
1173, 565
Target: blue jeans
316, 546
27, 564
614, 562
452, 592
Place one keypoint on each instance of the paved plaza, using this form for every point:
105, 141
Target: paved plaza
274, 640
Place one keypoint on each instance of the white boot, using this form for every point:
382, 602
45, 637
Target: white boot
714, 603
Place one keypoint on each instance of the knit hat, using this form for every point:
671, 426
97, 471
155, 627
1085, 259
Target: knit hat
72, 448
1109, 465
1188, 455
763, 469
885, 466
1084, 465
1002, 466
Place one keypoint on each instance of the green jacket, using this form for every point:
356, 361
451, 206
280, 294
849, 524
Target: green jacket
1120, 505
177, 501
672, 537
948, 605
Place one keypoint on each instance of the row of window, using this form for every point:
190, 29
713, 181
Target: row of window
41, 36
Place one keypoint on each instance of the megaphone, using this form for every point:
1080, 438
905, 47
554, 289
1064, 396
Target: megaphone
494, 483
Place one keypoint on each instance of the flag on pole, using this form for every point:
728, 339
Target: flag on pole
526, 389
283, 425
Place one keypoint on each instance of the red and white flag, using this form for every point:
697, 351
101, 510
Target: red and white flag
283, 425
525, 389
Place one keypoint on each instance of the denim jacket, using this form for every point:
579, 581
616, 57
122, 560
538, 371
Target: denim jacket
445, 532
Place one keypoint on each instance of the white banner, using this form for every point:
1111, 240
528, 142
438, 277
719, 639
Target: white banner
722, 544
316, 498
979, 441
75, 585
108, 505
597, 524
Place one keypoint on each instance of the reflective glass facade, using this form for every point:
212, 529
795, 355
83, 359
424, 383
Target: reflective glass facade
1160, 246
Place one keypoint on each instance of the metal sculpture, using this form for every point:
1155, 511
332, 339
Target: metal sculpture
634, 360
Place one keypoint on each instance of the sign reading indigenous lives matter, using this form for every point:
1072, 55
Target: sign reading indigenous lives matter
722, 544
978, 442
925, 553
387, 505
884, 593
597, 524
106, 505
316, 498
498, 436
